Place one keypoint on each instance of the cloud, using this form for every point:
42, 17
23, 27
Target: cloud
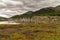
16, 7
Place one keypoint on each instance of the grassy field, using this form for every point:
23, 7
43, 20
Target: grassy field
30, 31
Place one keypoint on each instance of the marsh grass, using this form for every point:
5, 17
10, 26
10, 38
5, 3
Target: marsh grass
30, 31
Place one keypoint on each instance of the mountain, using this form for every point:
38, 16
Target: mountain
57, 8
49, 11
27, 14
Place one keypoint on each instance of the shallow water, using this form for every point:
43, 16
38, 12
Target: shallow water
7, 22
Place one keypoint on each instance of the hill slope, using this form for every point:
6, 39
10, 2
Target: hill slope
49, 11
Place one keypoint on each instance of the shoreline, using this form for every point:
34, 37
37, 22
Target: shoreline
6, 22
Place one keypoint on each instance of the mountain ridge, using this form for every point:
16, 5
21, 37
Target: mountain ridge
49, 11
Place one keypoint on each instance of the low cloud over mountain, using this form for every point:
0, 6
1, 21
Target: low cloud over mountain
9, 8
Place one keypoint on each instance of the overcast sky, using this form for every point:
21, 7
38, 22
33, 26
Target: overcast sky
10, 8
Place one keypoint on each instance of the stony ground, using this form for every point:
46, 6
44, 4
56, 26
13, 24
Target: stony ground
30, 31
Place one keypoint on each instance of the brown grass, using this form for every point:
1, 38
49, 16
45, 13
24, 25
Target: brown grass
30, 31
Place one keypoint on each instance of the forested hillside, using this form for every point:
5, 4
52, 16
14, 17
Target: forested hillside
49, 11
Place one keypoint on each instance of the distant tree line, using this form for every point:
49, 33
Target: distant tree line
38, 19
